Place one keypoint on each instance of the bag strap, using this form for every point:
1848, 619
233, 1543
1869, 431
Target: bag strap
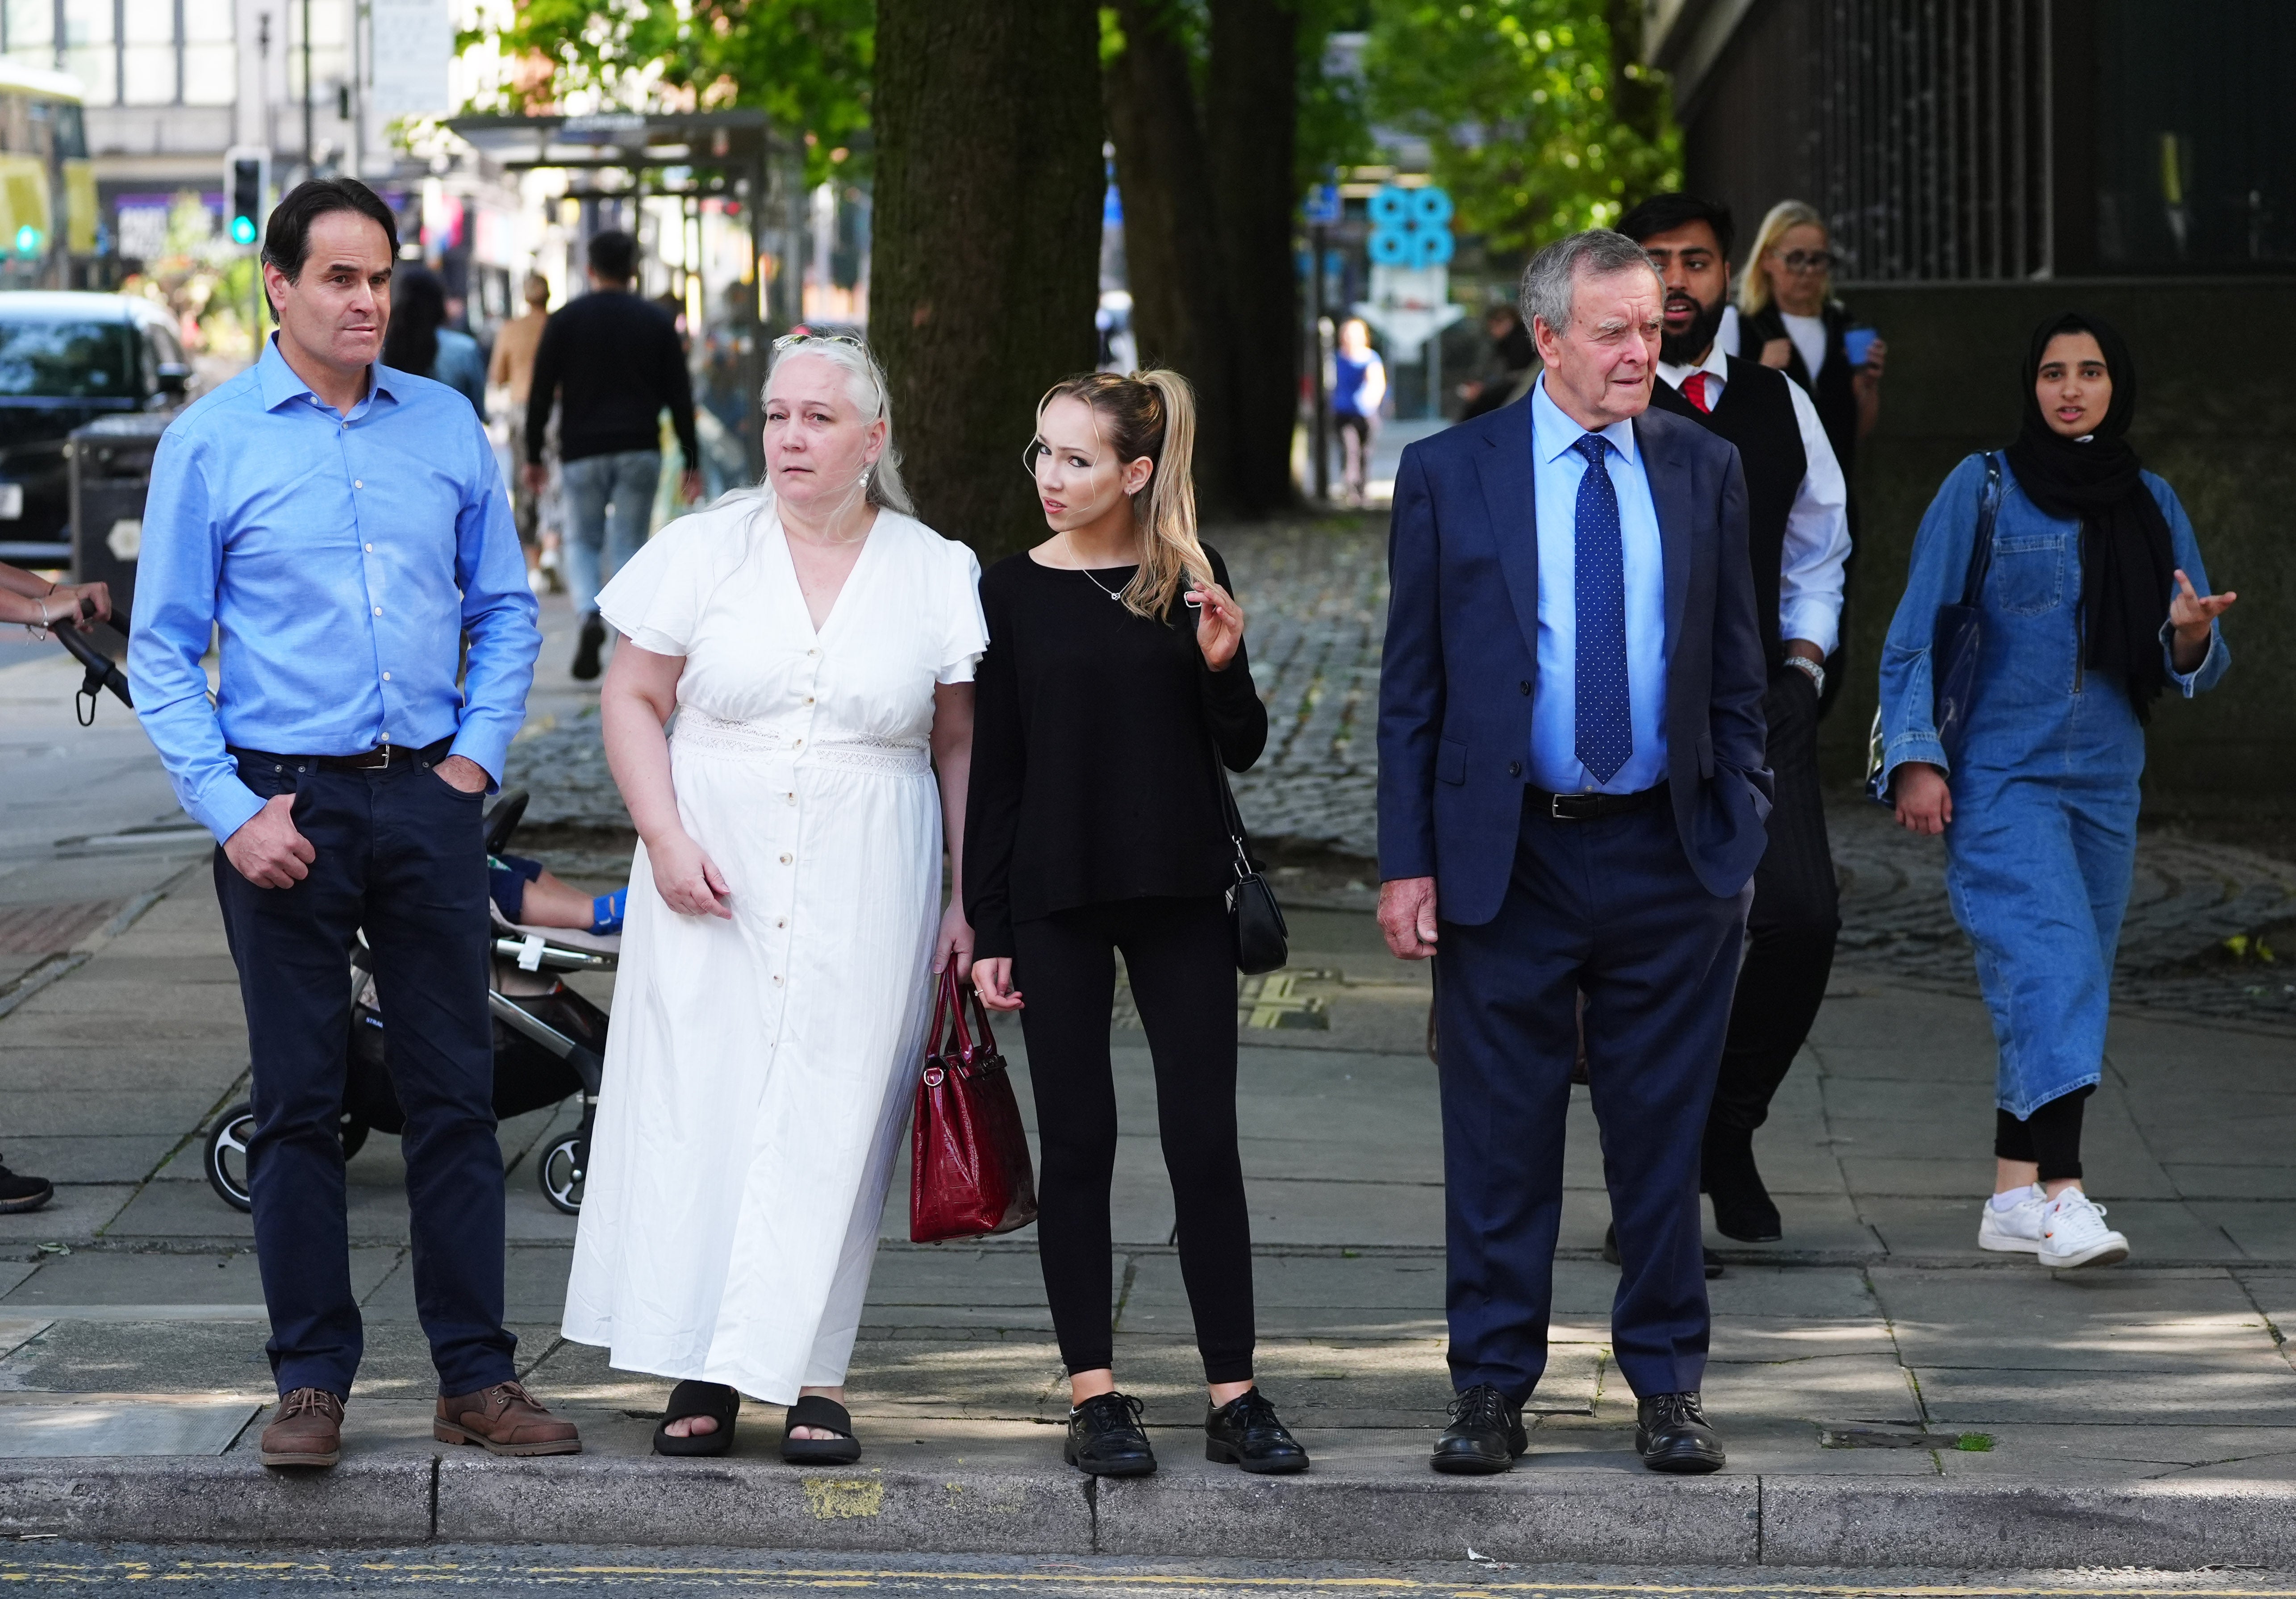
1232, 818
1980, 549
949, 1016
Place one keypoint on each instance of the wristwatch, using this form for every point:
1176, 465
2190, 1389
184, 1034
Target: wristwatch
1809, 670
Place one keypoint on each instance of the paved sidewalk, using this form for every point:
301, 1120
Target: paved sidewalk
1888, 1393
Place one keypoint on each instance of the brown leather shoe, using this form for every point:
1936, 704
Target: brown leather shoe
505, 1420
306, 1431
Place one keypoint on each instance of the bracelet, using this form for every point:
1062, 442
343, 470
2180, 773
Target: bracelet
1808, 668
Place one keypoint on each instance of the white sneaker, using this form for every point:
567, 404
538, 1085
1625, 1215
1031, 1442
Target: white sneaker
2017, 1229
2073, 1233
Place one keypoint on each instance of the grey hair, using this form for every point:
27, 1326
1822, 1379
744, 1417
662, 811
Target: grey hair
1551, 281
865, 380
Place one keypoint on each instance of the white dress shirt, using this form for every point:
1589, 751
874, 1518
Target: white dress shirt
1557, 469
1817, 528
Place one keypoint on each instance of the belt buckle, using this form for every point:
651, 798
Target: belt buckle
384, 765
1554, 808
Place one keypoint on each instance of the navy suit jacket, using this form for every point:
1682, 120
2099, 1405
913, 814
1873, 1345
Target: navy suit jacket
1462, 657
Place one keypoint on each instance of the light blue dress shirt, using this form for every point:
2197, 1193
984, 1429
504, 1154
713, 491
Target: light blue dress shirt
342, 558
1558, 467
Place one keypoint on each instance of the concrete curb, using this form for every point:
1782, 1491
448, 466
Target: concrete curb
1531, 1516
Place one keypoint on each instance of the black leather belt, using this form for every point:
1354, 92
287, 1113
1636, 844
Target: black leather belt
381, 758
1593, 808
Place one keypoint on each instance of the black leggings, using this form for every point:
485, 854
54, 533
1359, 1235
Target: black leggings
2050, 1137
1180, 955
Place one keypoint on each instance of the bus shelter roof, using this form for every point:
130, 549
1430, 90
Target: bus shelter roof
631, 140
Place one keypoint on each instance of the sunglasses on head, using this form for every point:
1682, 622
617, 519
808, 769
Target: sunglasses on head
788, 340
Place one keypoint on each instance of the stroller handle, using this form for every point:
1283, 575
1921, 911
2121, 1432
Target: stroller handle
103, 672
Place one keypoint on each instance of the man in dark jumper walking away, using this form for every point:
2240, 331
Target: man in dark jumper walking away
343, 526
613, 362
1797, 536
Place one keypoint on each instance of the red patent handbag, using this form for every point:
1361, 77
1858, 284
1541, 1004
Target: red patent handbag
970, 1175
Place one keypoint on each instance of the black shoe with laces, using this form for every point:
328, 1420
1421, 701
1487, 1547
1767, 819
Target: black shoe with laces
1245, 1431
23, 1193
1485, 1436
1105, 1440
1671, 1435
586, 652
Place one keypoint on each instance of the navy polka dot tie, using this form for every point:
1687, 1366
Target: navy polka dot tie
1606, 732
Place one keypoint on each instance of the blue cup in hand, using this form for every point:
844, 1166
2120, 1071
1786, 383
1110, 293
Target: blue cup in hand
1857, 344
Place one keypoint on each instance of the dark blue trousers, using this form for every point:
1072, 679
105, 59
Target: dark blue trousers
402, 853
1610, 907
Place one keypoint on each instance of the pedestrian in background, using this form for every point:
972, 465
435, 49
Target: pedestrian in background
1513, 356
1798, 535
1115, 688
613, 365
341, 528
2094, 602
1571, 793
512, 369
1788, 318
1358, 386
421, 342
816, 643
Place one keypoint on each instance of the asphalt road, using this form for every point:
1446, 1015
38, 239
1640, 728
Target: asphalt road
247, 1574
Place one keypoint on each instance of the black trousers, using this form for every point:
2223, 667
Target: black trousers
1180, 955
401, 853
2050, 1137
1796, 917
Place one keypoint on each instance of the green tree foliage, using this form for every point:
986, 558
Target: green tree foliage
808, 64
1534, 128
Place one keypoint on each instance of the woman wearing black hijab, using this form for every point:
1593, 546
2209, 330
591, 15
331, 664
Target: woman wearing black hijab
2096, 601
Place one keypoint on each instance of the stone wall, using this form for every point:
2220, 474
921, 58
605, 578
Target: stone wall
2215, 417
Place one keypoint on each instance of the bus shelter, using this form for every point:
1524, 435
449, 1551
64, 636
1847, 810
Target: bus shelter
729, 155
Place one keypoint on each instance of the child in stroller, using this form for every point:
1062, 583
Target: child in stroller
549, 1040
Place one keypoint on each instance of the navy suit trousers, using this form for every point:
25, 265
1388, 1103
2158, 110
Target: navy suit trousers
1613, 908
401, 853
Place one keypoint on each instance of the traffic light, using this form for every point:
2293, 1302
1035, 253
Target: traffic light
246, 181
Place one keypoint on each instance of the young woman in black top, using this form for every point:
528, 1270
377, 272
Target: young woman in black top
1115, 667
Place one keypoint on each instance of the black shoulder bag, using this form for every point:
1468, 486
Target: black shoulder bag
1955, 645
1261, 938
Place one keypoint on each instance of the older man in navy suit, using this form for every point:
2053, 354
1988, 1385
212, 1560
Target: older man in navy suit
1571, 796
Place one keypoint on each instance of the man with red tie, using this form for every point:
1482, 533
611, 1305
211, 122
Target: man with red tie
1797, 536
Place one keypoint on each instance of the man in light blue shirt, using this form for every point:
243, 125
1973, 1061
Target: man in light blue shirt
1559, 465
341, 528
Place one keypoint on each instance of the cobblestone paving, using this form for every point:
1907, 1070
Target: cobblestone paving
1317, 595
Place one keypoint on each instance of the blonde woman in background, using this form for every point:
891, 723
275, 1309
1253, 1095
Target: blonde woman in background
1114, 686
816, 643
1787, 317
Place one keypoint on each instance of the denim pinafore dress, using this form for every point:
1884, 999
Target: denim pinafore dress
2042, 847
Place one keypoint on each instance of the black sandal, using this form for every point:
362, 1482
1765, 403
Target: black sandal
814, 1411
715, 1401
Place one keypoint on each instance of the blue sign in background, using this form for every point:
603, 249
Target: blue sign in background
1411, 227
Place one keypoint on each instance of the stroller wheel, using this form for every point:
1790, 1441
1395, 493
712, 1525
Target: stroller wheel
226, 1151
559, 1172
226, 1156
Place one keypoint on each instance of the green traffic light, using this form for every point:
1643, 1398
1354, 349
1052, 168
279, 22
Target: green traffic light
30, 241
242, 230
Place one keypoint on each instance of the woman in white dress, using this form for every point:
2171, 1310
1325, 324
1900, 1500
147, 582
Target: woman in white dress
816, 646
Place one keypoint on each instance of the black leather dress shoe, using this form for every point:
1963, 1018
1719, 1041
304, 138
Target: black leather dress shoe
1610, 1253
1105, 1440
586, 648
1245, 1431
1742, 1210
1485, 1436
1671, 1435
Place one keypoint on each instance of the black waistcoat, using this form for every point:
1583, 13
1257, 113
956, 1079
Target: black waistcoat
1834, 393
1757, 415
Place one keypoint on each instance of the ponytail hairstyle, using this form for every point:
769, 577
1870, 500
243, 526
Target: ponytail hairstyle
1151, 413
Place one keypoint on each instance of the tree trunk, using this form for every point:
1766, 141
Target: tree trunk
1637, 96
987, 242
1251, 101
1180, 314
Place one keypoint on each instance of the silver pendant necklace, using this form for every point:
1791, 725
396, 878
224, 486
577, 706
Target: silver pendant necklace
1113, 593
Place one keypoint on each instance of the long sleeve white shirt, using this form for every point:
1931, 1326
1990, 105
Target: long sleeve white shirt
1817, 526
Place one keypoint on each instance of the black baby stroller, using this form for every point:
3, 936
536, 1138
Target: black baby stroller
549, 1043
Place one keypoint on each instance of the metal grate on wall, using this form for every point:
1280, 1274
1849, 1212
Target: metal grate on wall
1929, 130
